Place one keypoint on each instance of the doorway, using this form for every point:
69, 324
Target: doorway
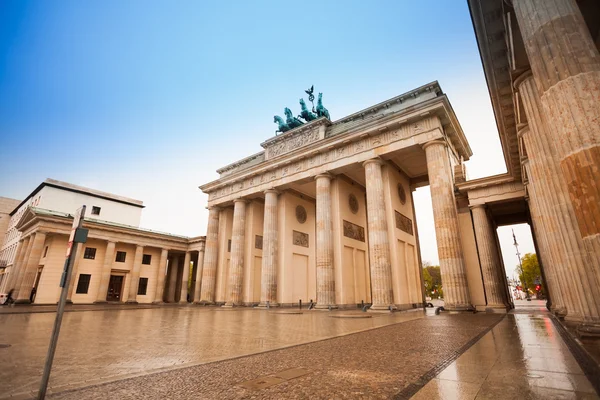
115, 287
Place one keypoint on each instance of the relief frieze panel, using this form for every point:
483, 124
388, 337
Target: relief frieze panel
300, 239
403, 223
354, 231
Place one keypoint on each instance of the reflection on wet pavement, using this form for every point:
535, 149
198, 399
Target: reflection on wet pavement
98, 346
522, 357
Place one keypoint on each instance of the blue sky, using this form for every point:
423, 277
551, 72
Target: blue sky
147, 99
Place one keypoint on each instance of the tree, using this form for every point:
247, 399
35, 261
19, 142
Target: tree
531, 274
432, 279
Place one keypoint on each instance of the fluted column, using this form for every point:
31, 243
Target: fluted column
72, 282
268, 281
173, 272
31, 266
22, 250
130, 293
236, 262
445, 215
211, 253
379, 243
160, 276
109, 256
489, 257
185, 278
325, 272
198, 272
577, 260
566, 66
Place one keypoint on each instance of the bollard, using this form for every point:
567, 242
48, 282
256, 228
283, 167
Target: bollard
300, 304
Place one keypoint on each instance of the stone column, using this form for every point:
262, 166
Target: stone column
160, 276
574, 258
131, 297
185, 277
489, 257
211, 253
445, 215
198, 272
17, 265
109, 256
566, 66
325, 272
73, 281
236, 263
379, 244
173, 272
268, 281
31, 265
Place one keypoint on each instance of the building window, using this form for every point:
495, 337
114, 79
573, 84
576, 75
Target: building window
146, 259
121, 256
46, 251
142, 286
89, 253
83, 284
95, 210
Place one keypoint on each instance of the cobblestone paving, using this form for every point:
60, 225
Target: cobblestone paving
100, 346
377, 363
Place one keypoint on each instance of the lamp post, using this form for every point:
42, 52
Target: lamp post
521, 267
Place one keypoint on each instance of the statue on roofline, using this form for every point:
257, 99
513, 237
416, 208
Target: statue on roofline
292, 122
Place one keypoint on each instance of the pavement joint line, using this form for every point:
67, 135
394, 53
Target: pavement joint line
586, 362
125, 377
413, 388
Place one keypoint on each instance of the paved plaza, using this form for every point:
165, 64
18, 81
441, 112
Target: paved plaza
212, 353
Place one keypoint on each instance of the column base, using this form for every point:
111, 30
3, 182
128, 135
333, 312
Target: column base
574, 318
496, 309
590, 330
459, 307
158, 302
22, 301
265, 305
228, 305
205, 303
183, 302
382, 308
131, 302
326, 307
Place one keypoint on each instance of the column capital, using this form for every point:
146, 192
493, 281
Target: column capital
474, 206
376, 160
522, 78
324, 175
522, 129
240, 200
436, 142
272, 190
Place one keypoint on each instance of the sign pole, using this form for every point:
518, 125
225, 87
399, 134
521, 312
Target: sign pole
64, 284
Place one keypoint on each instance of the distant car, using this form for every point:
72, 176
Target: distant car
428, 298
3, 297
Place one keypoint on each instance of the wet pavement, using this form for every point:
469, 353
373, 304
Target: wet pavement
194, 352
100, 346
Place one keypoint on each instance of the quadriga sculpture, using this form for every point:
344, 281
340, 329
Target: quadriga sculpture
291, 121
283, 127
321, 110
305, 113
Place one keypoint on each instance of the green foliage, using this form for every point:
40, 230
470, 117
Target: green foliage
432, 279
531, 272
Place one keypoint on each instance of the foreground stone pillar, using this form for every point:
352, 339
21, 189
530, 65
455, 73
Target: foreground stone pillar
236, 262
173, 272
198, 272
489, 257
160, 276
576, 262
325, 272
211, 253
17, 267
566, 67
445, 215
31, 265
109, 256
268, 281
130, 294
379, 245
185, 278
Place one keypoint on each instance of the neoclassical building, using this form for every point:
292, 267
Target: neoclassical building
325, 211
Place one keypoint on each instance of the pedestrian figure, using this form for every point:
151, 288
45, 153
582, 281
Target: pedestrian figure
9, 298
